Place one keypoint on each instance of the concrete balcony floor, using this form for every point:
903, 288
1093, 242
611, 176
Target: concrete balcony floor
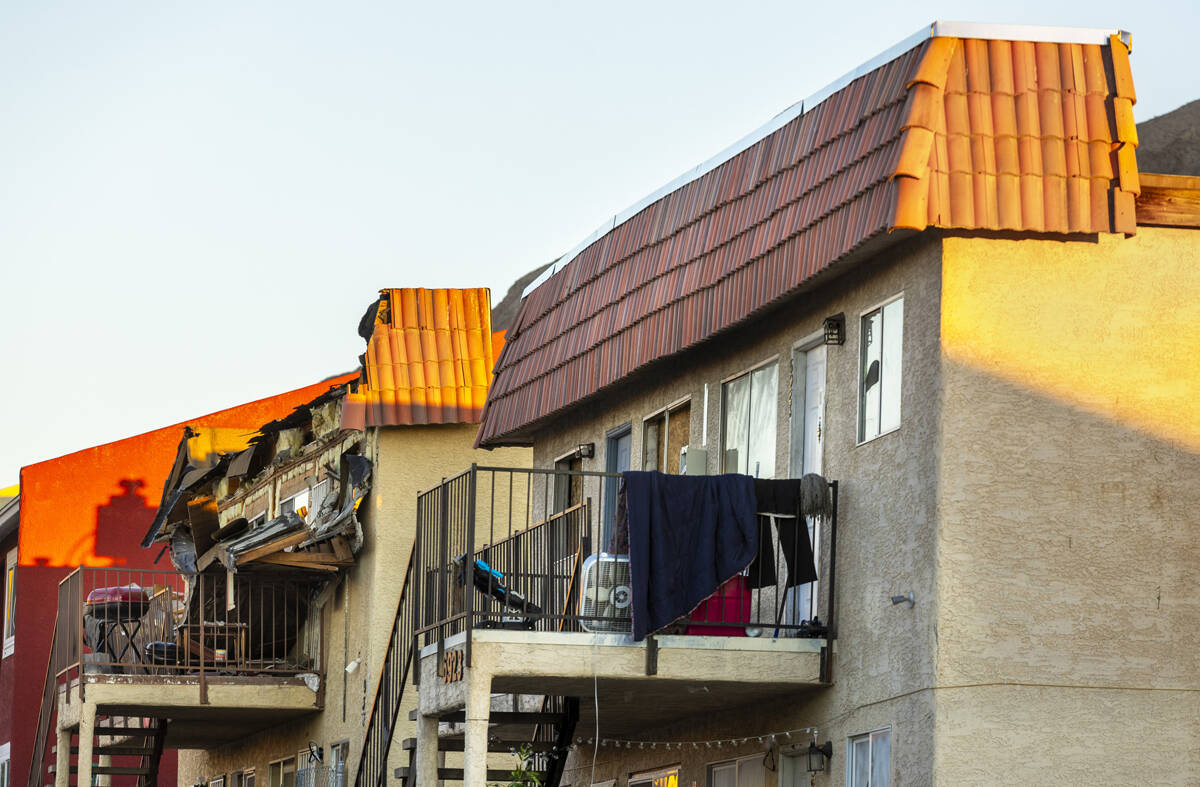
692, 675
236, 706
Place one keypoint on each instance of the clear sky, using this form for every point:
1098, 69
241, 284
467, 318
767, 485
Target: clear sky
198, 200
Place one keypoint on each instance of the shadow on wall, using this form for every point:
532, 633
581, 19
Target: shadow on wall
119, 525
124, 514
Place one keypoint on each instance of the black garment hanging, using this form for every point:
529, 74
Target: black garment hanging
781, 498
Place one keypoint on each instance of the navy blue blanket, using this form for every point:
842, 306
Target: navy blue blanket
687, 536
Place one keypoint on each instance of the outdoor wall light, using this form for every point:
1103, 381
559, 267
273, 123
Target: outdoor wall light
909, 599
819, 756
353, 666
585, 450
835, 329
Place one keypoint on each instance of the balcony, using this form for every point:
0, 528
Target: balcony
509, 592
219, 655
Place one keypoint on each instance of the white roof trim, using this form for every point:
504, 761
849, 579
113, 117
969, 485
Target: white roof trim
1064, 35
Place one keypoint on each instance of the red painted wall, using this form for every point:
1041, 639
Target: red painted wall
92, 508
8, 667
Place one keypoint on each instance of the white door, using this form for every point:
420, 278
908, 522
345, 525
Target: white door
808, 450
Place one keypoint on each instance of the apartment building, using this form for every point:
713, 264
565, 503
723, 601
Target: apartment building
942, 287
89, 508
257, 652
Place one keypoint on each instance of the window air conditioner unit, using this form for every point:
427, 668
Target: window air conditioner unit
606, 599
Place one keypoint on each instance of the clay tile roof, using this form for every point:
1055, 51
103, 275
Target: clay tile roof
956, 132
429, 360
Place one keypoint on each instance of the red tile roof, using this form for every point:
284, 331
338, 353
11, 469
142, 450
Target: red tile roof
429, 360
955, 133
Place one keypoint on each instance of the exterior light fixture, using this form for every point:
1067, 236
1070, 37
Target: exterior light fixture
908, 598
585, 450
835, 329
819, 756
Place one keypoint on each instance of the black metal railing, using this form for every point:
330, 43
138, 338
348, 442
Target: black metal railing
387, 706
171, 624
513, 548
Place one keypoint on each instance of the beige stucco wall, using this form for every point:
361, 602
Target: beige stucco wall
1070, 492
1040, 499
887, 530
358, 617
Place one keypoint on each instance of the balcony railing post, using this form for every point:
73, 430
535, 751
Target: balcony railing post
200, 607
443, 569
412, 580
468, 567
76, 604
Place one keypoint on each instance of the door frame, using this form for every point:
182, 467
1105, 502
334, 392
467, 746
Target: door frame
796, 452
610, 487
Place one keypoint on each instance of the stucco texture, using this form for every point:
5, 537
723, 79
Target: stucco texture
1039, 498
1069, 561
359, 615
883, 662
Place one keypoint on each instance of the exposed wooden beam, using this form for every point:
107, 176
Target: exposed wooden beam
1169, 201
289, 540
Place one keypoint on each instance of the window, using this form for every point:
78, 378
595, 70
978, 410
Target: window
237, 779
297, 503
664, 436
282, 773
568, 489
10, 604
258, 520
868, 759
750, 403
318, 494
666, 777
5, 765
248, 779
880, 337
216, 781
338, 754
746, 772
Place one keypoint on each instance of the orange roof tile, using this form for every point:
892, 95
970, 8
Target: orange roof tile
429, 359
1045, 112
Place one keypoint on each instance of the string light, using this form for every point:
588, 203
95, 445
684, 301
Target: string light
771, 739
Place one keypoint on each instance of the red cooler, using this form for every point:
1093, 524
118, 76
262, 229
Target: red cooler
730, 604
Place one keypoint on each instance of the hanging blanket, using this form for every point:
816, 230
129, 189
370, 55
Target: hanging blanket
687, 536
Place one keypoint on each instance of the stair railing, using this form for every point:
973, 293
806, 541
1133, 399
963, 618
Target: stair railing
386, 708
37, 762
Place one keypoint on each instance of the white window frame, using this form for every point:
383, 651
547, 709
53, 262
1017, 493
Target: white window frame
736, 762
657, 773
6, 764
336, 778
282, 762
248, 779
306, 492
9, 619
721, 411
858, 411
869, 736
665, 412
217, 781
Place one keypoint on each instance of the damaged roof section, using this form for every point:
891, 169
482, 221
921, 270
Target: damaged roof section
285, 497
429, 359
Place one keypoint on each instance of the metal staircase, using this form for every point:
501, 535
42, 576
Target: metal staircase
393, 679
119, 737
547, 733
